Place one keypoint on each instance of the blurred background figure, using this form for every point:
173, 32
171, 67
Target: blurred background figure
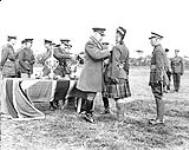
62, 54
167, 71
8, 64
177, 66
47, 59
26, 59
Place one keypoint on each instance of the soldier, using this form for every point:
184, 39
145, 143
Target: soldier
117, 73
26, 59
46, 58
23, 44
91, 77
62, 56
7, 64
177, 66
156, 76
167, 71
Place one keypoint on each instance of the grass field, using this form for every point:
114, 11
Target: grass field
66, 130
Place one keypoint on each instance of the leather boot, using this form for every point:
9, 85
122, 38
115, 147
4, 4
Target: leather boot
106, 105
89, 111
160, 113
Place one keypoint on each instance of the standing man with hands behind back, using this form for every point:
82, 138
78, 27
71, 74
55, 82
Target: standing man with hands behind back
156, 76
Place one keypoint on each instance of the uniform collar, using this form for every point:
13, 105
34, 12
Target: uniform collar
9, 45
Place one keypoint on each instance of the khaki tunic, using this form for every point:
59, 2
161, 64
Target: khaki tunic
177, 65
8, 61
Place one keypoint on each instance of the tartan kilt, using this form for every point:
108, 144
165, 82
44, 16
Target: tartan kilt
117, 91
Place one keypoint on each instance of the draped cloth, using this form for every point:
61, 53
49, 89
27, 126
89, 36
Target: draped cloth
18, 96
16, 103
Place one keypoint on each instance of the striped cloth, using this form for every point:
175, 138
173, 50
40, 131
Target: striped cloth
117, 91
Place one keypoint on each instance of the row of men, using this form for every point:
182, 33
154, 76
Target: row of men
15, 64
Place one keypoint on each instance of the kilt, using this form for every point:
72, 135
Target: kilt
117, 91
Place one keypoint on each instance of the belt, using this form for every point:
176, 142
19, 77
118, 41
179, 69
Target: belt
153, 67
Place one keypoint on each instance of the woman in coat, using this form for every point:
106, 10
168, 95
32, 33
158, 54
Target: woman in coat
116, 74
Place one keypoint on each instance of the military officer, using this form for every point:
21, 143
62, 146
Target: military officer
177, 67
167, 71
156, 76
46, 58
91, 78
62, 56
26, 59
7, 63
23, 44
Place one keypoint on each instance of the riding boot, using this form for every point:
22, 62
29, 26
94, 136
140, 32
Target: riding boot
89, 111
106, 105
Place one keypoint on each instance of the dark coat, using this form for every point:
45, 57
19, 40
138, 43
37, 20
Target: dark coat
26, 60
118, 67
91, 77
8, 61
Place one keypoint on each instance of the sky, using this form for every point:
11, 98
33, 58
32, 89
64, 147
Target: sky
73, 19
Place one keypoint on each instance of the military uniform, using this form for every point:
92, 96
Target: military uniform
116, 74
156, 79
7, 64
157, 72
62, 56
177, 66
46, 57
26, 61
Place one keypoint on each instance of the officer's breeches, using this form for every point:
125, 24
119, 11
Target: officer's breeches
176, 80
158, 94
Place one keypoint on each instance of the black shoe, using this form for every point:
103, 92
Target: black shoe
156, 122
89, 118
53, 106
107, 111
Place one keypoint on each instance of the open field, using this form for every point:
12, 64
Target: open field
66, 130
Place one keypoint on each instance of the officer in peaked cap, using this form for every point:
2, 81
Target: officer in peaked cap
62, 56
26, 59
7, 62
177, 66
157, 73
